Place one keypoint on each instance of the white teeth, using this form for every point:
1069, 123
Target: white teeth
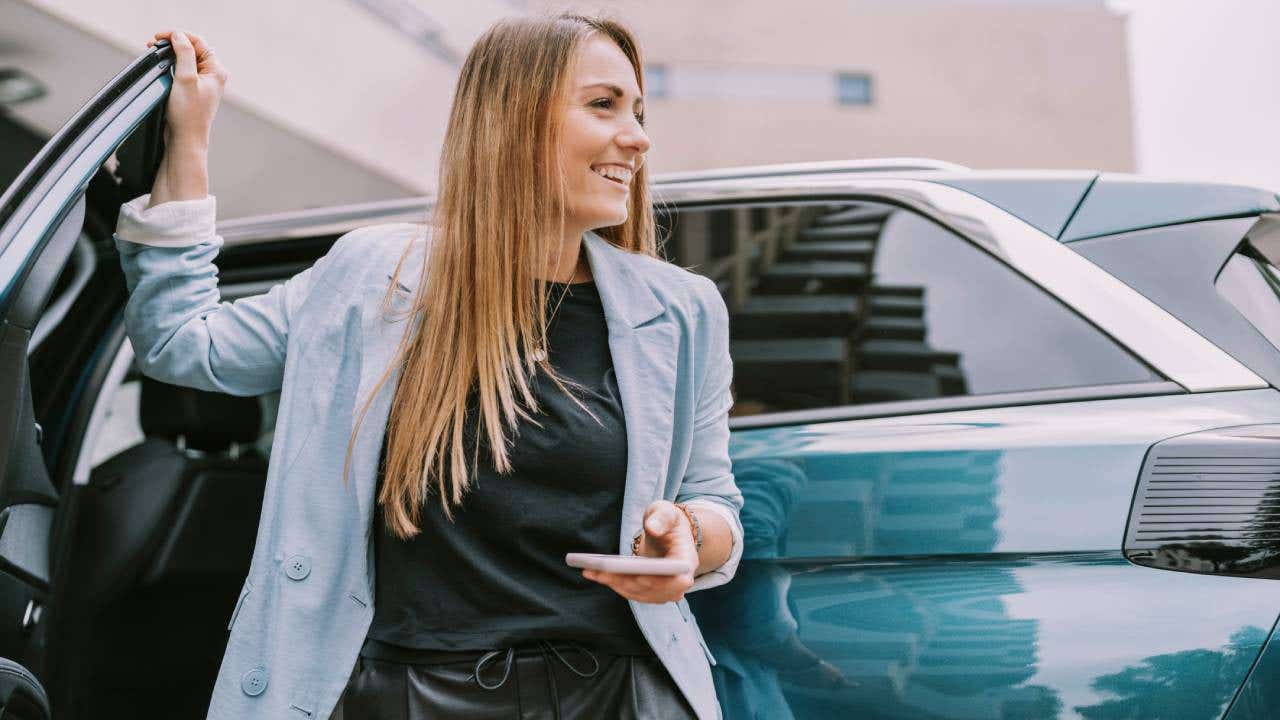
613, 172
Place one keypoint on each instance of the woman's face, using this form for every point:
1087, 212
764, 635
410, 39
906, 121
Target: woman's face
602, 141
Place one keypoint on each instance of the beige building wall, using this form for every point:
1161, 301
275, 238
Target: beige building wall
336, 101
985, 83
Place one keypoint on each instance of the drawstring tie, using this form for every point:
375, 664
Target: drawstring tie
547, 649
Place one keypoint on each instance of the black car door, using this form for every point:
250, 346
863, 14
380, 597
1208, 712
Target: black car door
42, 215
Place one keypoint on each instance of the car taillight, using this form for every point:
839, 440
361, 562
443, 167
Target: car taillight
1209, 502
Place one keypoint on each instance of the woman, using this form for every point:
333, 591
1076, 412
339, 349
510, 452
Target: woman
462, 407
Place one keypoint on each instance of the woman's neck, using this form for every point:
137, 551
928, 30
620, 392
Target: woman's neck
573, 266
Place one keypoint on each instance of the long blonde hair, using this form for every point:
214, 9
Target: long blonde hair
499, 217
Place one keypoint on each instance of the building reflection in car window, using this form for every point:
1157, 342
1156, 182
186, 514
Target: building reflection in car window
858, 303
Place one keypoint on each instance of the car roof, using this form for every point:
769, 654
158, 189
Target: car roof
1068, 205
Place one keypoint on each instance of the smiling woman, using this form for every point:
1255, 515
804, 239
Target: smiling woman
557, 388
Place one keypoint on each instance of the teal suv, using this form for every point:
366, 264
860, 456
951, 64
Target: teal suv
1009, 442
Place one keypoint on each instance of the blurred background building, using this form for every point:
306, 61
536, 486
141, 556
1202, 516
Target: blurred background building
337, 101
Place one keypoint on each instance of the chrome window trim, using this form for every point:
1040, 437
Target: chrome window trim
1136, 323
871, 165
958, 403
323, 221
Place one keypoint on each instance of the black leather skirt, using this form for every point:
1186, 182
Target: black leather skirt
558, 680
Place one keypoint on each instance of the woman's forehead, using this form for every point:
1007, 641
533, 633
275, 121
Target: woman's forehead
600, 62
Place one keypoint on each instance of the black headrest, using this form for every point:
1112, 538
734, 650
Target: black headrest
210, 421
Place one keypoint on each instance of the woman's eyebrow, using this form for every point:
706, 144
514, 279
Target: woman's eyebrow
617, 91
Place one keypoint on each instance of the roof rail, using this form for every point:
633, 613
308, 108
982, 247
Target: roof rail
316, 221
893, 164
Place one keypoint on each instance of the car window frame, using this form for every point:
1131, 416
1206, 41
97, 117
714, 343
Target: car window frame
61, 171
1145, 329
1159, 385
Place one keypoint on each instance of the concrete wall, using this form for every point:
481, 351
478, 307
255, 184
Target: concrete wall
332, 101
979, 82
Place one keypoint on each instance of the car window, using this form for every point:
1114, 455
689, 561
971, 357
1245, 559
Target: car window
1252, 284
861, 303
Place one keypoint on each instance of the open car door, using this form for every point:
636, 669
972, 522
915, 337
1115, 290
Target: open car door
41, 219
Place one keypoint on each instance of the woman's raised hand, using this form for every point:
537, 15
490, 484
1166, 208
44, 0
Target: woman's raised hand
198, 81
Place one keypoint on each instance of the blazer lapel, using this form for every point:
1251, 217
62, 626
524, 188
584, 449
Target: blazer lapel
379, 340
644, 361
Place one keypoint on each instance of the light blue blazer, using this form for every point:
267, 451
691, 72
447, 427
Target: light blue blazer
321, 340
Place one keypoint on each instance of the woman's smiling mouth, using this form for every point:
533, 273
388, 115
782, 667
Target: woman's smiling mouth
617, 173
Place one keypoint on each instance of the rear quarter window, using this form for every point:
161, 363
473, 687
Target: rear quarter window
1251, 282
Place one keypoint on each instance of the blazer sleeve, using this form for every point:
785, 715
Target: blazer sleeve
708, 482
181, 331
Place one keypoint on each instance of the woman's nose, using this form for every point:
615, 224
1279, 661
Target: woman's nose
635, 138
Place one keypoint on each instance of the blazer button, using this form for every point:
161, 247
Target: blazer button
298, 567
254, 682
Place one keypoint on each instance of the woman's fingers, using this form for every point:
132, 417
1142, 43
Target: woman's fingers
185, 67
203, 51
644, 588
192, 54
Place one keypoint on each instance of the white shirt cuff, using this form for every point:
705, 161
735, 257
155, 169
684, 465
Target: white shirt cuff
177, 223
723, 573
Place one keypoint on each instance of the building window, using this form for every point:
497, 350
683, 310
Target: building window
655, 80
853, 88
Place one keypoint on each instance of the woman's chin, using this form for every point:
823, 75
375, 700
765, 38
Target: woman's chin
608, 221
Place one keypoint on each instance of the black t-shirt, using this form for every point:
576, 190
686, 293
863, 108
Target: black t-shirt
496, 576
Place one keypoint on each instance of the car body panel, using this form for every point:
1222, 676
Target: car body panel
1061, 636
968, 565
1046, 203
1012, 464
1259, 697
1120, 203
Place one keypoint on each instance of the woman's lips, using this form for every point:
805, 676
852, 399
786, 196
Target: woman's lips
610, 180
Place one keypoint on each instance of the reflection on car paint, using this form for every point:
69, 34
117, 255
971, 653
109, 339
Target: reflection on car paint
891, 571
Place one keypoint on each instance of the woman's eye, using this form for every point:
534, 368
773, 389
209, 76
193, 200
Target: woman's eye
605, 103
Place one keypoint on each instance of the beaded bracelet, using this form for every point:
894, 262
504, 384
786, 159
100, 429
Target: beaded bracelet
694, 523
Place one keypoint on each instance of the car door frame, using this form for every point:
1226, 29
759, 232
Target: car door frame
41, 216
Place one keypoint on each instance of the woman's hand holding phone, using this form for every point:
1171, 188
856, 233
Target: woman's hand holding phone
667, 534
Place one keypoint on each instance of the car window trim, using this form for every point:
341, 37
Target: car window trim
64, 166
898, 408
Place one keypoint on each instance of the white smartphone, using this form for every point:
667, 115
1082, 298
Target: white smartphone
625, 564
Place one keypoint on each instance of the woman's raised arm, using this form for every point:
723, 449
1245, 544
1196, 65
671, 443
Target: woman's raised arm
181, 331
